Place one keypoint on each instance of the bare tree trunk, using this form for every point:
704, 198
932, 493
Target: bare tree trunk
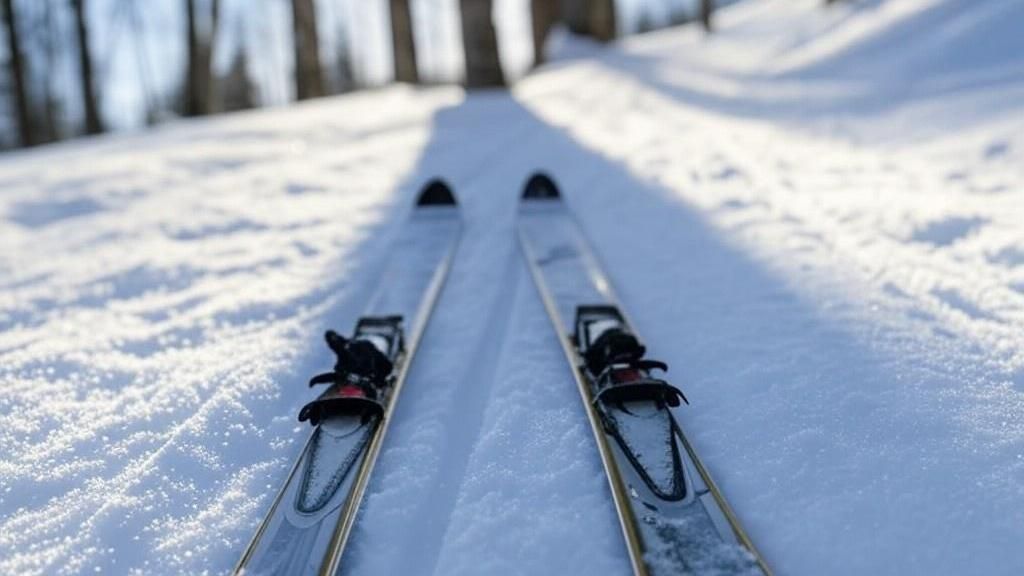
602, 19
238, 92
308, 77
17, 68
93, 122
480, 42
193, 92
346, 80
594, 18
575, 14
199, 99
403, 43
211, 92
706, 8
51, 105
544, 14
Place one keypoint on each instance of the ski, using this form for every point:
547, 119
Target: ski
673, 517
311, 518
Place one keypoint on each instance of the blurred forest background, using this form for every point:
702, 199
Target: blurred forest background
76, 67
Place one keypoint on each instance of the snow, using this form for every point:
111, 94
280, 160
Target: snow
821, 236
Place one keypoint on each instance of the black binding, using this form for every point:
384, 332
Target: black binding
617, 352
359, 364
614, 364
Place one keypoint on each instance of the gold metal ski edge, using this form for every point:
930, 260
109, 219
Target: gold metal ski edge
623, 507
336, 547
734, 522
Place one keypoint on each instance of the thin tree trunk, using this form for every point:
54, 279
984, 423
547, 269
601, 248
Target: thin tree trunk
214, 22
576, 15
17, 68
93, 122
594, 18
308, 76
237, 91
706, 9
193, 98
480, 42
210, 91
602, 20
403, 43
199, 79
544, 14
346, 81
51, 105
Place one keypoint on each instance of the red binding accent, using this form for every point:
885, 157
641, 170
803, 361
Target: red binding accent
349, 391
625, 375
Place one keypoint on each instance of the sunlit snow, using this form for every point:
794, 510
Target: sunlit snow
813, 215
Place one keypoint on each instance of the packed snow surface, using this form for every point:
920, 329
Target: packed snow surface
814, 216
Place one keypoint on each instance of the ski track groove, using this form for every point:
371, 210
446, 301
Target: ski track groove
461, 182
463, 433
514, 154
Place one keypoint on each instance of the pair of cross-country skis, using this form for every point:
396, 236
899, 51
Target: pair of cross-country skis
673, 518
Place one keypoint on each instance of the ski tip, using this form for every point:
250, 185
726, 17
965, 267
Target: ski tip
436, 193
540, 186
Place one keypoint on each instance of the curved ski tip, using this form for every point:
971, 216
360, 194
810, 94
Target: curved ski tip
436, 193
540, 186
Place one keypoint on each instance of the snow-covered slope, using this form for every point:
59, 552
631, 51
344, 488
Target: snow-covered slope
813, 216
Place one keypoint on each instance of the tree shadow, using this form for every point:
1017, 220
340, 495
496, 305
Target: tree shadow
838, 443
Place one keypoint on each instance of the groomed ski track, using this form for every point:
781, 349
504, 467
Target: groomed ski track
850, 346
468, 422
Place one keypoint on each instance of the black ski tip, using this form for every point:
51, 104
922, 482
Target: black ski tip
436, 193
540, 186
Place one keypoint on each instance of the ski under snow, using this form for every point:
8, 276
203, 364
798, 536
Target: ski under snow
308, 524
674, 518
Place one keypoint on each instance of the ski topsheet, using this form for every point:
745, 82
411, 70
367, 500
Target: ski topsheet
309, 522
673, 517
